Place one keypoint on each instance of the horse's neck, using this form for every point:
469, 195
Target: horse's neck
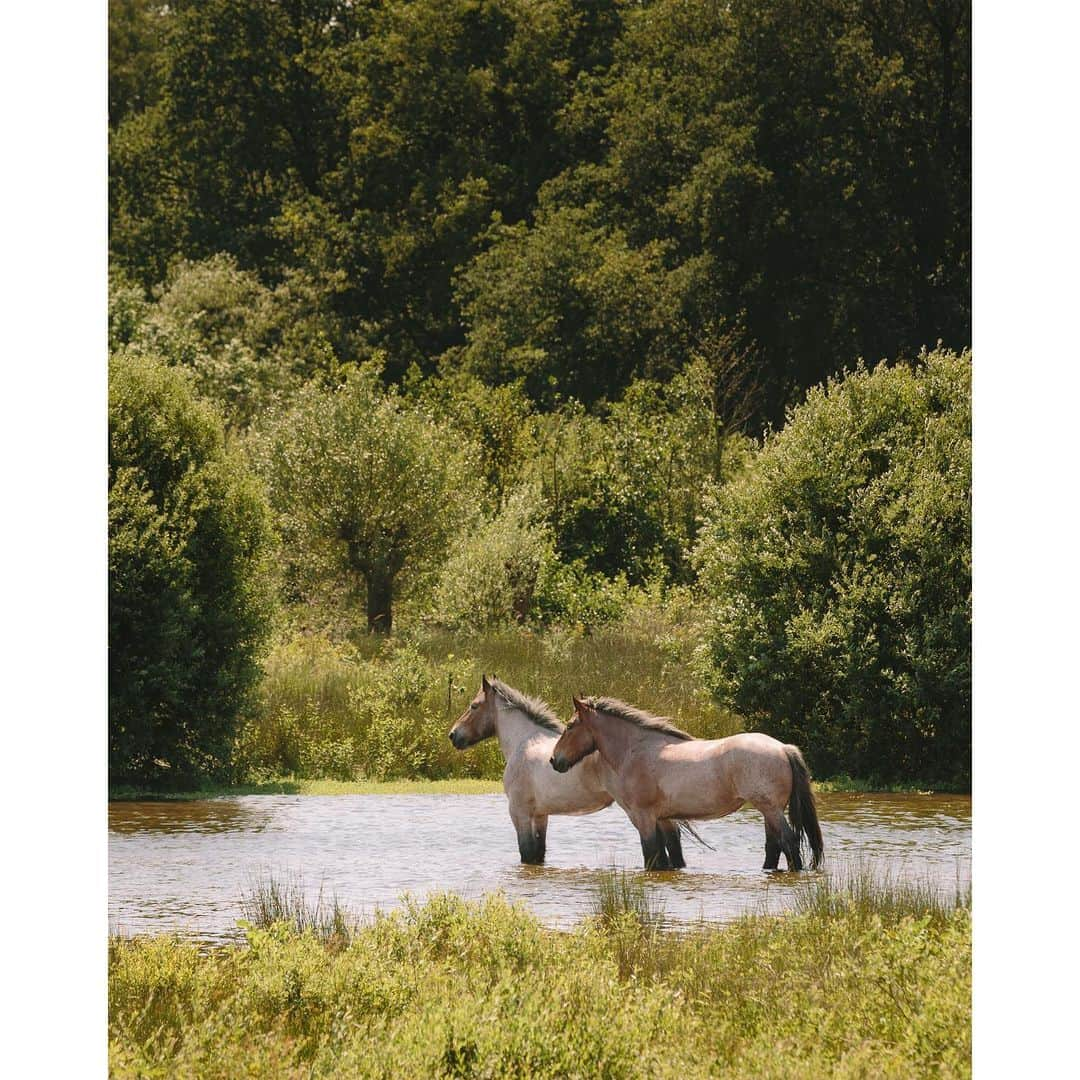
612, 740
512, 727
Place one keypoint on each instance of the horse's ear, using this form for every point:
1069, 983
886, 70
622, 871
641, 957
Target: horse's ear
484, 683
579, 705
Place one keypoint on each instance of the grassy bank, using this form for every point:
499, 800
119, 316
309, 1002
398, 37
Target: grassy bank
862, 981
290, 785
293, 786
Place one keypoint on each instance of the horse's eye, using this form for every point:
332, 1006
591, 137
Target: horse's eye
475, 705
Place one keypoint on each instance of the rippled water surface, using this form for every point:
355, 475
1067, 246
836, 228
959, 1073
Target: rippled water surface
183, 866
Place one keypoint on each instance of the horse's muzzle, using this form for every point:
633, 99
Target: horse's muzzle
559, 764
457, 740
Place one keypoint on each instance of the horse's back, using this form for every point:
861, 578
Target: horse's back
747, 767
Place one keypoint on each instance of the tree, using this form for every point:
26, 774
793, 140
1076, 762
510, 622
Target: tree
189, 578
366, 486
838, 572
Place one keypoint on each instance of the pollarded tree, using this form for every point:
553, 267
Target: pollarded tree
189, 581
366, 486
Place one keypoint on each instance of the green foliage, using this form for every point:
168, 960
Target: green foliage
624, 490
249, 347
189, 577
498, 420
800, 174
365, 486
567, 305
451, 988
839, 570
491, 574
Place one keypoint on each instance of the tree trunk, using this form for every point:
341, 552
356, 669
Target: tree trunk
380, 594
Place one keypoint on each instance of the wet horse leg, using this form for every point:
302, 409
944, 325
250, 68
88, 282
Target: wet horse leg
530, 846
779, 837
652, 841
790, 843
539, 831
669, 830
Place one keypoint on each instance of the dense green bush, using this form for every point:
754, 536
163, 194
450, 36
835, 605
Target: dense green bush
248, 347
491, 574
189, 598
839, 570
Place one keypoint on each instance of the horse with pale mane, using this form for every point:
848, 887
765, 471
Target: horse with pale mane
527, 731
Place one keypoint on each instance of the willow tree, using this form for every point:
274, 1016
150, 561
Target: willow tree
366, 486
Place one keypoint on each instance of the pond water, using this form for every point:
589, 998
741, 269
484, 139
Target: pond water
183, 867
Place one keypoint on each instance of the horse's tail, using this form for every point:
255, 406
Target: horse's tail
686, 827
802, 809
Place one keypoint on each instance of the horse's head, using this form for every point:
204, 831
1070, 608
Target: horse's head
478, 720
576, 742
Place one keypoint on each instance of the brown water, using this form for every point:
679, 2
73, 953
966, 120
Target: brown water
183, 866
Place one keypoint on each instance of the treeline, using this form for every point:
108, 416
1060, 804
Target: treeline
495, 316
561, 194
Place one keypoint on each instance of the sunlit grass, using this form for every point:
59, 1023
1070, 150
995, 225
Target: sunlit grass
338, 711
450, 987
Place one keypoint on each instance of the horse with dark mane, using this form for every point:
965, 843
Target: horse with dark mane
659, 774
527, 731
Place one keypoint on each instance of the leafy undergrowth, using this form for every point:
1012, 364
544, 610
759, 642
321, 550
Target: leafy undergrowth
851, 987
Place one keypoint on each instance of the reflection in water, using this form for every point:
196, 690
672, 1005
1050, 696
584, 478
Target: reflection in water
189, 816
183, 866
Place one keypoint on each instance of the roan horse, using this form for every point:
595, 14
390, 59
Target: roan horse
527, 730
661, 774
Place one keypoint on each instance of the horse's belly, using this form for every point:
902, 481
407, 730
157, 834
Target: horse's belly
695, 791
563, 793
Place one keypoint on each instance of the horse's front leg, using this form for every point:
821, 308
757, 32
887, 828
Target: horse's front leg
539, 831
652, 842
669, 831
531, 844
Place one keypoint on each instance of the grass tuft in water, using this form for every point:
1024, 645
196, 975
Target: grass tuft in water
858, 890
269, 901
620, 896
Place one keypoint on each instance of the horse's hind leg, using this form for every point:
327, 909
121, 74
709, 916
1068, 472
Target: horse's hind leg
669, 830
790, 843
654, 850
779, 837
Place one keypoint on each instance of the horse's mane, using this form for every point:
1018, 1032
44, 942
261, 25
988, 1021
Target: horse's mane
663, 725
539, 712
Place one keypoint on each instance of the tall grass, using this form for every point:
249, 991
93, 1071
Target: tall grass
383, 709
452, 988
858, 890
269, 901
620, 896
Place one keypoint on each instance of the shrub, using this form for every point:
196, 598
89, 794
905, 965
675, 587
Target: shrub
490, 577
839, 571
189, 604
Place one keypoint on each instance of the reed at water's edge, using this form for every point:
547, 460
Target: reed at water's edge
864, 980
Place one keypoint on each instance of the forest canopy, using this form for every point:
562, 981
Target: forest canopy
569, 194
